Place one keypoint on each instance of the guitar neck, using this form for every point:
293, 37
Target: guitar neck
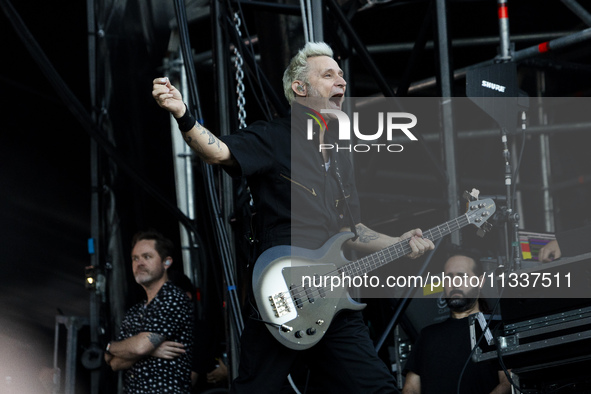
395, 251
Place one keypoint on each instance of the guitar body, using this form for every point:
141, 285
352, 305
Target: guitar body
297, 312
298, 291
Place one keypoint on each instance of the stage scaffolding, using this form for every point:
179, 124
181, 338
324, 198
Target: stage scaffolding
222, 56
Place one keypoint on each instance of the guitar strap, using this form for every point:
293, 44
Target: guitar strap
348, 209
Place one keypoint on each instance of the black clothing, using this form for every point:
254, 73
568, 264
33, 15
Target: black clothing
575, 241
298, 202
343, 362
262, 153
439, 354
169, 314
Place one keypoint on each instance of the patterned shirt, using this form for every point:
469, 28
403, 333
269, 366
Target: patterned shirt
170, 315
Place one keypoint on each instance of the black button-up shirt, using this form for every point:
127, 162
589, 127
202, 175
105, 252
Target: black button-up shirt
297, 201
169, 314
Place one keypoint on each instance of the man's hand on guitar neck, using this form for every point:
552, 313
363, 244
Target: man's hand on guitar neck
417, 243
370, 241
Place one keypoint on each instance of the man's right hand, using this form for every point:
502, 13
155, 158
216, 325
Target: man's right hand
549, 252
168, 97
207, 146
169, 350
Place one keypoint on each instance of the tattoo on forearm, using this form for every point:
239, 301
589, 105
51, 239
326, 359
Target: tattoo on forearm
156, 339
198, 149
366, 235
212, 138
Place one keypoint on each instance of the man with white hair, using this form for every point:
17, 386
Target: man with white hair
296, 197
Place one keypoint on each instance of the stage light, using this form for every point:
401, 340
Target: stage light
90, 274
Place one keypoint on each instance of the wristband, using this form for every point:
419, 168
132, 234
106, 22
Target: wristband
187, 121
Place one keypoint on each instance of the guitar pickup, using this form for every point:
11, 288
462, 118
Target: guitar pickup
308, 291
279, 304
296, 296
321, 290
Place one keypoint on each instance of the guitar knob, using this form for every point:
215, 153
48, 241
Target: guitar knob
311, 331
299, 334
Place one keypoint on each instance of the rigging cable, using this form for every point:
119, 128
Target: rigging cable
214, 210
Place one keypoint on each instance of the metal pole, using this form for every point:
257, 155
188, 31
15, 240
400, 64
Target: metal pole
365, 57
514, 163
417, 49
548, 46
533, 51
505, 44
443, 48
184, 185
405, 300
221, 68
221, 59
56, 369
487, 133
70, 382
317, 20
267, 6
548, 202
307, 15
578, 11
513, 215
446, 92
72, 324
183, 165
220, 63
94, 198
465, 42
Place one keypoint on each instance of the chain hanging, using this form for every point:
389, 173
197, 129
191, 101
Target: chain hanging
238, 63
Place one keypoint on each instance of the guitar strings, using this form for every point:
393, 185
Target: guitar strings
400, 247
368, 263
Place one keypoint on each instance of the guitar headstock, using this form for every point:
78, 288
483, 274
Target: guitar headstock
479, 211
472, 196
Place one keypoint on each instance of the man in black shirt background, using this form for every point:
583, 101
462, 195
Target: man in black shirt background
439, 354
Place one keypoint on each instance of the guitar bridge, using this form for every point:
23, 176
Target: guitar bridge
279, 304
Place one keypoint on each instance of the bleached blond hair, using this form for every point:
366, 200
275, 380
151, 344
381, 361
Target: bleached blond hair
297, 70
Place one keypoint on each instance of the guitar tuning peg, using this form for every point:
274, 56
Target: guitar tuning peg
472, 196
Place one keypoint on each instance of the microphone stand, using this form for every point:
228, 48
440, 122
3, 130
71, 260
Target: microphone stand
510, 216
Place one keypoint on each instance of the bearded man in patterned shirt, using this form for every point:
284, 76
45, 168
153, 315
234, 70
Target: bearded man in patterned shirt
155, 340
